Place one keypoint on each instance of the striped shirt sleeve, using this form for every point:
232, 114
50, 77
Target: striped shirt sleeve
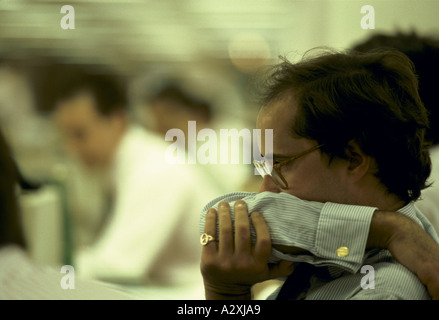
319, 228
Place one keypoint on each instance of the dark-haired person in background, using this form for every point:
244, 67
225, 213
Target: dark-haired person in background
358, 124
424, 53
148, 236
173, 107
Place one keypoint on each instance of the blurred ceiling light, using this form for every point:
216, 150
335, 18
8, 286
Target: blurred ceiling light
249, 51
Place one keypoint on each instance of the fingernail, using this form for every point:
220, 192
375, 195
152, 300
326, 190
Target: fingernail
255, 214
222, 205
240, 204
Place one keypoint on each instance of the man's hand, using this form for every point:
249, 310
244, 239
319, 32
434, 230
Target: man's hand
409, 244
231, 265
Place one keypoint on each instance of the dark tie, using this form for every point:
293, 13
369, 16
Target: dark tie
297, 283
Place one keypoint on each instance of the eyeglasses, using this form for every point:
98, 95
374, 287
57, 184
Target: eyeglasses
264, 168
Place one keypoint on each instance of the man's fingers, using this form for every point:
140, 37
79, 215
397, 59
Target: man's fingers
262, 247
242, 228
225, 229
210, 230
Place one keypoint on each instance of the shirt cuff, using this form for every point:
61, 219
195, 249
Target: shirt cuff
342, 234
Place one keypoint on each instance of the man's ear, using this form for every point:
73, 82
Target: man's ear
358, 162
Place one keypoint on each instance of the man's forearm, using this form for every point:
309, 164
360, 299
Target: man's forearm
382, 226
409, 244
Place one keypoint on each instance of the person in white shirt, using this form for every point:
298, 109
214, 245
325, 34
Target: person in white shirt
150, 234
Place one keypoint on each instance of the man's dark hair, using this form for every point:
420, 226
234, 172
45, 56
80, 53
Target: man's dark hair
370, 98
173, 92
424, 53
106, 88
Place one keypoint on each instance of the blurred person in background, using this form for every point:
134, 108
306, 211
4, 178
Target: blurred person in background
424, 52
172, 101
173, 107
149, 235
22, 278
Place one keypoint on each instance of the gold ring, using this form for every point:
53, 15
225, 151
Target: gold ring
205, 239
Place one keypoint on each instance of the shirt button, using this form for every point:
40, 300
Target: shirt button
342, 252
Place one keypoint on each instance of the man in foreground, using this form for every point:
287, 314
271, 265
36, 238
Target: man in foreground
348, 129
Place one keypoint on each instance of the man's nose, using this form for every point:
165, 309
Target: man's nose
268, 184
